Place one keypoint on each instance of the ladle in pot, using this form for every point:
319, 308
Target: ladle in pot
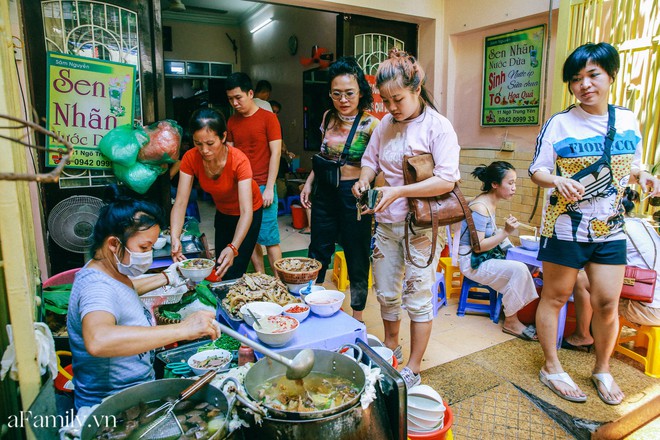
296, 368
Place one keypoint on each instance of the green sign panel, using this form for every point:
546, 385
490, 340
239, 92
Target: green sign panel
512, 78
86, 99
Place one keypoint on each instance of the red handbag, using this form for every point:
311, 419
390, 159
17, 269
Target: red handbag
639, 283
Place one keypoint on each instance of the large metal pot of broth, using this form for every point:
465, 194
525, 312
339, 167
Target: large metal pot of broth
335, 384
125, 412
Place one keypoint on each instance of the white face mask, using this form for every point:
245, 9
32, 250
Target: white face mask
139, 263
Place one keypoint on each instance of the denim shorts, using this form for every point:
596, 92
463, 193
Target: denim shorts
269, 234
577, 254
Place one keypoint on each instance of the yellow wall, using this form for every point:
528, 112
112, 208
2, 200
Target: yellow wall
17, 237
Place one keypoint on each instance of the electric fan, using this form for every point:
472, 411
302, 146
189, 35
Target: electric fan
71, 222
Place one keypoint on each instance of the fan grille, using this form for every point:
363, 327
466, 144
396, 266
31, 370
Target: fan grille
71, 222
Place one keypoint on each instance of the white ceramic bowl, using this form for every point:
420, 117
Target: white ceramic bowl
219, 360
374, 341
325, 302
385, 353
425, 391
529, 242
160, 242
300, 316
260, 309
196, 269
422, 425
425, 407
276, 331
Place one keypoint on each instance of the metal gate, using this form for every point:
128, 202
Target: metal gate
372, 49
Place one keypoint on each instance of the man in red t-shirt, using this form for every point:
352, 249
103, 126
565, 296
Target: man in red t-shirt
257, 133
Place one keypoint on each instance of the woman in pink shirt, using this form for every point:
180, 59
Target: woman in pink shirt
412, 127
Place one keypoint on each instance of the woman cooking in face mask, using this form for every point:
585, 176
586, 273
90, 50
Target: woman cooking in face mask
112, 334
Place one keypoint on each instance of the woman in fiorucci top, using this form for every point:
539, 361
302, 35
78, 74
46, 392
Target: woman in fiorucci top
583, 218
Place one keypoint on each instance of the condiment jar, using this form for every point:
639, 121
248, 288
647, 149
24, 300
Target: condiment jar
245, 355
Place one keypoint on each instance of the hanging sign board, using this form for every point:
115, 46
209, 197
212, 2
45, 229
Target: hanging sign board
86, 98
512, 77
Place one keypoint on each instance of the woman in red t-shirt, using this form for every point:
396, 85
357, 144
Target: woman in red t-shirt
225, 173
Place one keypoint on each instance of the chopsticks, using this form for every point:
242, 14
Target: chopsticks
530, 227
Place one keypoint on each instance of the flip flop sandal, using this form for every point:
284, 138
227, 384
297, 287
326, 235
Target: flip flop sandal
526, 335
606, 379
583, 348
560, 377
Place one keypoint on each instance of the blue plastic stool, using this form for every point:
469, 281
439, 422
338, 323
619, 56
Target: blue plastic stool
290, 201
281, 207
493, 308
440, 292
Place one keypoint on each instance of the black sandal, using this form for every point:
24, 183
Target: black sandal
583, 348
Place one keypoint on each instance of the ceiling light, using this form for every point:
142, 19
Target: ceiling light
177, 6
260, 25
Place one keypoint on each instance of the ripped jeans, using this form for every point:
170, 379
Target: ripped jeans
398, 282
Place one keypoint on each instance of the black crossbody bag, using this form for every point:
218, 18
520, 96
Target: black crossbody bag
597, 177
328, 171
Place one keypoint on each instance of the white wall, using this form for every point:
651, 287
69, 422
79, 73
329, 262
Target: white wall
265, 55
202, 42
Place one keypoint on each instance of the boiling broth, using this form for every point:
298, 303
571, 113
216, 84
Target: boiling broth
316, 392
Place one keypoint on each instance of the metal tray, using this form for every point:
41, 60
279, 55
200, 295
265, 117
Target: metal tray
220, 290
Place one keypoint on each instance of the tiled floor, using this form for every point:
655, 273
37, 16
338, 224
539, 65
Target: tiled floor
503, 413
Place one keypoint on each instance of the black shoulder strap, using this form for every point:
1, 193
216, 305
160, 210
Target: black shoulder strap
611, 132
349, 139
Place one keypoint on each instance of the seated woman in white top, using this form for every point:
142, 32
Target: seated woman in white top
510, 278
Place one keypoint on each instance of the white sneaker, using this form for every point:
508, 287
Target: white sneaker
398, 354
411, 379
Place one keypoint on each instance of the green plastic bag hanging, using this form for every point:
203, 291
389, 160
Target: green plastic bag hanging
139, 177
122, 144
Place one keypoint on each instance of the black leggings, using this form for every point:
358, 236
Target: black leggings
225, 227
334, 219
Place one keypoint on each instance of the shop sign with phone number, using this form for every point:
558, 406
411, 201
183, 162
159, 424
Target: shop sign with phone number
87, 98
512, 77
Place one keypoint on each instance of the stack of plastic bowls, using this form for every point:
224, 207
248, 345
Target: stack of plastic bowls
426, 411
